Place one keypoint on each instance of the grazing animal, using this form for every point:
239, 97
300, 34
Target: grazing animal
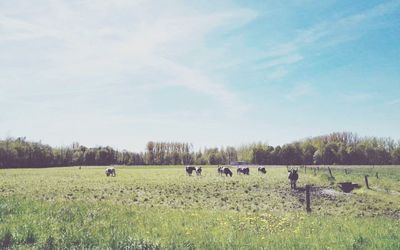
293, 176
243, 170
227, 171
189, 170
262, 170
220, 170
224, 170
198, 171
111, 172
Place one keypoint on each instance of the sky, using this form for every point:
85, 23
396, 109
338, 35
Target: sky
212, 73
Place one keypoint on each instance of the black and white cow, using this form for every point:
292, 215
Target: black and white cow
227, 171
190, 169
220, 170
198, 170
243, 170
224, 170
293, 176
262, 170
111, 172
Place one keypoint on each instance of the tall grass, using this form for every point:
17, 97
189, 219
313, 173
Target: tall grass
161, 208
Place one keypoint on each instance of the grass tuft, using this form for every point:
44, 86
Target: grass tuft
6, 239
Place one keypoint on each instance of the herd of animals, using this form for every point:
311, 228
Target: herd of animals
293, 175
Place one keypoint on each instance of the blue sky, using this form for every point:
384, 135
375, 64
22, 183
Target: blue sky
121, 73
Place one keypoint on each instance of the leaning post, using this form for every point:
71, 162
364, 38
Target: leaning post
366, 181
330, 171
308, 200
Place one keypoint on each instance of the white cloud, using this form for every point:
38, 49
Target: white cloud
96, 44
280, 61
355, 97
324, 34
82, 68
300, 90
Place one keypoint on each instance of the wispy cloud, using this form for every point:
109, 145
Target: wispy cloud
356, 97
324, 34
299, 91
185, 70
140, 43
394, 102
279, 61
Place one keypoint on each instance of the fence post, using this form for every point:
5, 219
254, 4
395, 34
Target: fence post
330, 171
366, 181
308, 200
305, 169
377, 176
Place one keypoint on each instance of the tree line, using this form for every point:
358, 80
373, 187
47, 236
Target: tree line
336, 148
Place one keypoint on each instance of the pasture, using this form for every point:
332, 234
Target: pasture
159, 207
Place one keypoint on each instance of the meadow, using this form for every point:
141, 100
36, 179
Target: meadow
159, 207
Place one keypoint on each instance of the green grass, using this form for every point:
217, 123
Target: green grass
160, 207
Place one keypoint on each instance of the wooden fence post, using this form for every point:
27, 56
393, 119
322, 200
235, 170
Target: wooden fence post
366, 181
308, 200
305, 169
330, 171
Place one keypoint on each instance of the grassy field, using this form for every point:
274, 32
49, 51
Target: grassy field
162, 208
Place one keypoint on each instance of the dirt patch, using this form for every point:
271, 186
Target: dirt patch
327, 200
318, 193
330, 192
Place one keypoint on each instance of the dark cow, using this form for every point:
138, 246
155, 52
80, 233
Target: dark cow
293, 176
262, 170
198, 171
243, 170
224, 170
227, 171
111, 172
189, 170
